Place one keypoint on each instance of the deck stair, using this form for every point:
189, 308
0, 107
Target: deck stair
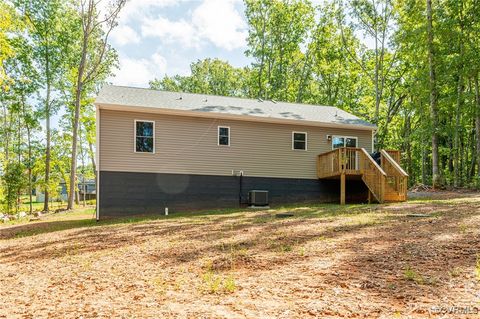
386, 182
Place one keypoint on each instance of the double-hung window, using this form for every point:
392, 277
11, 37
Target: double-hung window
299, 141
144, 136
224, 135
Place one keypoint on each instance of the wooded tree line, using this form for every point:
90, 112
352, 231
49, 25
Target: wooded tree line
409, 66
54, 55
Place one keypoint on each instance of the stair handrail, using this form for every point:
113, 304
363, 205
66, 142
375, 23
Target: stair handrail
373, 177
394, 163
365, 153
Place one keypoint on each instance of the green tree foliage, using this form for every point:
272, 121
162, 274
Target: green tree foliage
209, 76
8, 24
55, 56
277, 31
14, 182
94, 64
49, 25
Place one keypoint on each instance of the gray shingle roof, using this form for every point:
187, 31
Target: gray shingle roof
147, 98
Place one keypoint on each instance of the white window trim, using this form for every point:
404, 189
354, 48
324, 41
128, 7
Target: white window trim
344, 139
293, 141
135, 136
218, 135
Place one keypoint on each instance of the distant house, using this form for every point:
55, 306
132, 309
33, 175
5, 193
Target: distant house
62, 194
182, 151
87, 187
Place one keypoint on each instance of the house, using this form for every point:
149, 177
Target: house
86, 190
158, 150
62, 194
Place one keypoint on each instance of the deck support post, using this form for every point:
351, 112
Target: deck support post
342, 189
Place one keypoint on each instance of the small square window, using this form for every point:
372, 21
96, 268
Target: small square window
224, 135
144, 136
299, 141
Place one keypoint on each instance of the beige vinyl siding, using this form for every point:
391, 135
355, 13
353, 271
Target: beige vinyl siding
190, 145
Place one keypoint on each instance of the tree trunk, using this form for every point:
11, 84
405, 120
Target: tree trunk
303, 77
460, 87
7, 134
262, 61
377, 99
29, 146
407, 144
73, 164
91, 153
30, 187
47, 150
76, 119
424, 164
477, 126
433, 96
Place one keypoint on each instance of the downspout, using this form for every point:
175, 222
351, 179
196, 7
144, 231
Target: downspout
240, 192
97, 155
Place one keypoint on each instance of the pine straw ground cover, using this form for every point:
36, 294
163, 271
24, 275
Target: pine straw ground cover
325, 262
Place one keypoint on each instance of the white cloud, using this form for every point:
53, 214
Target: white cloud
123, 35
138, 72
216, 21
219, 22
159, 63
145, 28
178, 32
134, 9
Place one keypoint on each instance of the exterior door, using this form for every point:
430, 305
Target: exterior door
347, 141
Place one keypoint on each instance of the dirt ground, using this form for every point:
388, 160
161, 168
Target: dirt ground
411, 260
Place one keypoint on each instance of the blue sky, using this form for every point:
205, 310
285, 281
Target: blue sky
158, 37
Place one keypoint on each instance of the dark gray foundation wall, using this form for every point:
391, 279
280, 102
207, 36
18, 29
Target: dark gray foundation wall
130, 194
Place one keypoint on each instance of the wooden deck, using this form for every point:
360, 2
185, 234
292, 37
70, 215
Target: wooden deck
386, 182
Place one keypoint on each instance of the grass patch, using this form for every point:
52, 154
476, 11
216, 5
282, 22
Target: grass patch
477, 267
81, 218
463, 228
411, 275
213, 283
455, 272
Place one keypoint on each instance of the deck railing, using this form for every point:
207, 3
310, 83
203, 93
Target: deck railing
328, 164
353, 161
397, 178
341, 160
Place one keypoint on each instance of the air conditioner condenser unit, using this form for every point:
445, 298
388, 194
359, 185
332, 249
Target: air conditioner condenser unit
258, 198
